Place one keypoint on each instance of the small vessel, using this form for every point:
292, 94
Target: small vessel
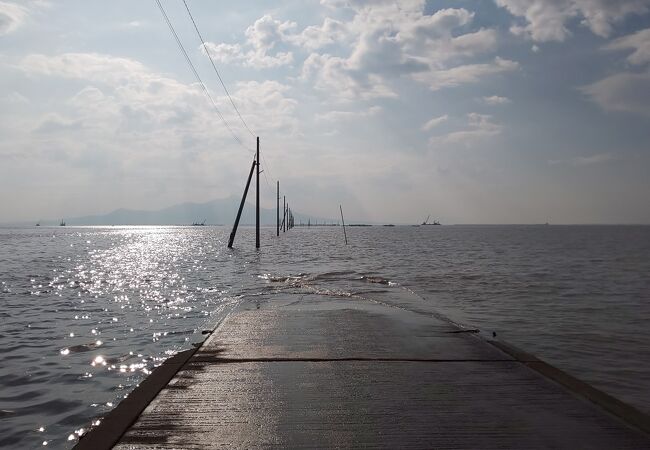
38, 224
199, 224
426, 222
62, 224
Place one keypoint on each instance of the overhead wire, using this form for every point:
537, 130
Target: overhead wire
198, 78
214, 66
223, 84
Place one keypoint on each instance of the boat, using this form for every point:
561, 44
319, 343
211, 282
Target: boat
199, 224
38, 224
62, 224
426, 222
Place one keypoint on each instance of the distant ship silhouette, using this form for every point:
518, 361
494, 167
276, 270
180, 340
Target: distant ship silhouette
426, 222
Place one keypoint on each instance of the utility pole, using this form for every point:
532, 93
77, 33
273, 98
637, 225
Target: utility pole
241, 207
257, 198
343, 221
278, 212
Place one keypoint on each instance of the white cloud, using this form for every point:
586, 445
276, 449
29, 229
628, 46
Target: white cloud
391, 40
54, 123
386, 40
479, 127
546, 20
337, 116
12, 16
623, 92
469, 73
93, 66
15, 98
269, 97
434, 122
581, 161
639, 42
261, 38
121, 101
333, 75
314, 37
496, 100
135, 24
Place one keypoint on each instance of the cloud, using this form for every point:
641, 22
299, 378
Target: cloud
469, 73
92, 66
56, 124
334, 75
390, 40
495, 100
581, 161
546, 20
15, 98
314, 37
434, 122
261, 38
639, 42
125, 104
270, 97
12, 16
623, 92
337, 116
479, 127
384, 41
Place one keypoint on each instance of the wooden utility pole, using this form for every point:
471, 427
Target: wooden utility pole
257, 198
241, 207
343, 221
278, 212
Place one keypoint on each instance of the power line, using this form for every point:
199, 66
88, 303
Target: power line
207, 52
267, 168
214, 66
196, 75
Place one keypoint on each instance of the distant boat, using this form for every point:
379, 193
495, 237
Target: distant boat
199, 224
38, 224
426, 222
62, 224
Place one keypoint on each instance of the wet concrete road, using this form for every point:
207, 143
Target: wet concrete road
323, 373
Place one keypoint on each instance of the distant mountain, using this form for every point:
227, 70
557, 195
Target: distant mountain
215, 212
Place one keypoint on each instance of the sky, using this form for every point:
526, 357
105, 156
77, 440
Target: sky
476, 111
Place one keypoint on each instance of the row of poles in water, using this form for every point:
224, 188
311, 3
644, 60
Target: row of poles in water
288, 219
287, 216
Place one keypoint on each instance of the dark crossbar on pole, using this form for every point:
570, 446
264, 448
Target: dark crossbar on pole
241, 207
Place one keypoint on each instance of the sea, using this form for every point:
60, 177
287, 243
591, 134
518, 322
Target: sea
86, 313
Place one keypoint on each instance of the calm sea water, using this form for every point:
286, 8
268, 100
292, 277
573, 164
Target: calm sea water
87, 313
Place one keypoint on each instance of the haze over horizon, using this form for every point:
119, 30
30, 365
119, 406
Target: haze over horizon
501, 111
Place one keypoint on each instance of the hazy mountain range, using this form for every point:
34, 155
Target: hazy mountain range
215, 212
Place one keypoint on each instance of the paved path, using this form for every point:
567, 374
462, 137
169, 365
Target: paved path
323, 373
